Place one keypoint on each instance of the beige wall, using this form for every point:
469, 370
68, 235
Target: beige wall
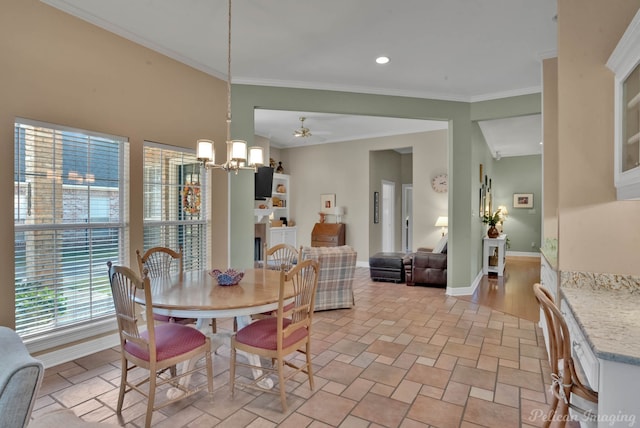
343, 169
597, 233
61, 70
550, 147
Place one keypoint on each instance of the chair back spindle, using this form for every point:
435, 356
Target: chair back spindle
280, 256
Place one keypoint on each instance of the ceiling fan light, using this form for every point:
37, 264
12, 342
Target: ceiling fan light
302, 132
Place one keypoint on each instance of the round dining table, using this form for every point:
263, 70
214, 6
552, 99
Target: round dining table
197, 294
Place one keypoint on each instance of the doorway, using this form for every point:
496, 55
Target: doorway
407, 217
388, 215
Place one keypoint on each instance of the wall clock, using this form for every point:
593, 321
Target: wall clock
440, 183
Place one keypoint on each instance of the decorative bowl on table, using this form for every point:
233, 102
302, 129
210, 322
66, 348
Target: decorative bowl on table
228, 277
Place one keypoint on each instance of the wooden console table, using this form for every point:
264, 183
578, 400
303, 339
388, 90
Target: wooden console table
328, 235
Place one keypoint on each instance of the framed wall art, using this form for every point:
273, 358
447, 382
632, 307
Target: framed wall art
327, 202
523, 200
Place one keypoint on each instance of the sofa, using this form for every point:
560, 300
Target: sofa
335, 279
20, 379
427, 266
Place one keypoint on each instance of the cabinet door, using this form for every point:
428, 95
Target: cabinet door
289, 237
277, 236
624, 62
283, 235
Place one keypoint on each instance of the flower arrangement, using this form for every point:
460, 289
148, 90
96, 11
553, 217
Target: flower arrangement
492, 219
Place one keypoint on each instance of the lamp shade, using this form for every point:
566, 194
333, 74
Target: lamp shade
256, 156
206, 151
238, 150
442, 222
503, 212
336, 211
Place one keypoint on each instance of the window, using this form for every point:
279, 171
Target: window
174, 203
70, 219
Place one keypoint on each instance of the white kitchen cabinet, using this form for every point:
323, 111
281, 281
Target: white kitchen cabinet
581, 351
549, 280
625, 63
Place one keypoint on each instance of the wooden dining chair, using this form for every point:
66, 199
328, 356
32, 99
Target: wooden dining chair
280, 256
565, 381
278, 337
161, 262
155, 349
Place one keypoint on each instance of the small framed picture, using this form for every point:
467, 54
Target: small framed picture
376, 207
327, 202
523, 200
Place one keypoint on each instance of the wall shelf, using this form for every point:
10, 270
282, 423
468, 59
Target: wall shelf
261, 213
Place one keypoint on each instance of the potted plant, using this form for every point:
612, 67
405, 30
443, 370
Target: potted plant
492, 220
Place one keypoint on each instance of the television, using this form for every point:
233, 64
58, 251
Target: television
263, 183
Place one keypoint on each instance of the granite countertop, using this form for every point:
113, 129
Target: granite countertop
609, 319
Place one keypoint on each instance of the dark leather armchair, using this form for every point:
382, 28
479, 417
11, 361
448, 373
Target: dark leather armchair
425, 267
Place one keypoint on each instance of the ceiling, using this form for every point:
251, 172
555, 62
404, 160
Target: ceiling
460, 50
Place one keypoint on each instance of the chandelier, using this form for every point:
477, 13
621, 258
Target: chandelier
237, 158
303, 131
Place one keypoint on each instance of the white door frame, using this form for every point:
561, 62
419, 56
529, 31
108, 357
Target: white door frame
387, 209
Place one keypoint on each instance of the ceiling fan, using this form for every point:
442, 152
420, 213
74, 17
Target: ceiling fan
303, 131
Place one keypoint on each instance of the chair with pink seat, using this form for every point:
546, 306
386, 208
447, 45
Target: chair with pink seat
155, 349
282, 335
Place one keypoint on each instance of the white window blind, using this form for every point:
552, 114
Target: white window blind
70, 219
175, 208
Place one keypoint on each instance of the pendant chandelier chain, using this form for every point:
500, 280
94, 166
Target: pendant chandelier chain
238, 156
229, 75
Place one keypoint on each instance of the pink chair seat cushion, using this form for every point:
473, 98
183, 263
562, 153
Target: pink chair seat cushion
262, 334
171, 340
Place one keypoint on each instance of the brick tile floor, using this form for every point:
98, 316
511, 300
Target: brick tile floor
402, 357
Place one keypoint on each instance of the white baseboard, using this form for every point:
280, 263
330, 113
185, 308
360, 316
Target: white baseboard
522, 254
465, 291
73, 352
66, 345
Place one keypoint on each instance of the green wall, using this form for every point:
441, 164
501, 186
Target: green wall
385, 165
464, 247
520, 174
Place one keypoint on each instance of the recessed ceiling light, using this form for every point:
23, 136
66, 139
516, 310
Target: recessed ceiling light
382, 59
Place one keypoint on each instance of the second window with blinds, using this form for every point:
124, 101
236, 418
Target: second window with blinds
175, 206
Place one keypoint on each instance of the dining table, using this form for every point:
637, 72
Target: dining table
197, 294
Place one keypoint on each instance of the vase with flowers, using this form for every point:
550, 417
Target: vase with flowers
492, 220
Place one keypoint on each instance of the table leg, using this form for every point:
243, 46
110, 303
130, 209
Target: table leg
217, 340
